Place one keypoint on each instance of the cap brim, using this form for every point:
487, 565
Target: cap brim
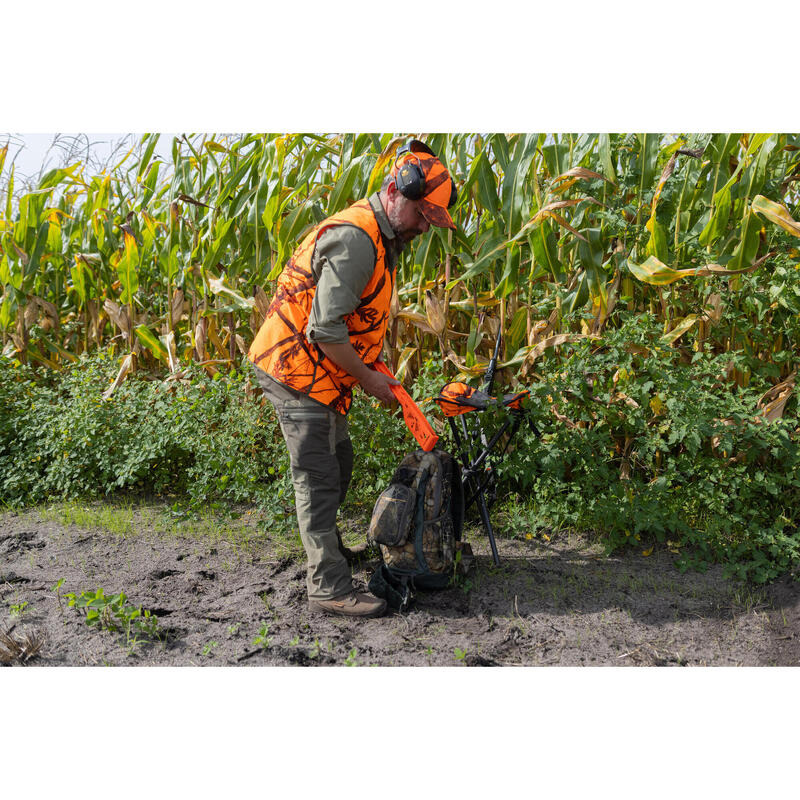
436, 215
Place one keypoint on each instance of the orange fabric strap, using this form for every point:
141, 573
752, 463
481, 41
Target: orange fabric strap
419, 426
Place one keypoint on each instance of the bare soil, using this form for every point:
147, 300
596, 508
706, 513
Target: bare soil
561, 602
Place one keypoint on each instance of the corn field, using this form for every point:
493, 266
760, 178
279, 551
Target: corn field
557, 236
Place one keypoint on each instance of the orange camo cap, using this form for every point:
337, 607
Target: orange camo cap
439, 187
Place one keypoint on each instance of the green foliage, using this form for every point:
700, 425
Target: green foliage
262, 639
199, 437
18, 609
658, 449
112, 613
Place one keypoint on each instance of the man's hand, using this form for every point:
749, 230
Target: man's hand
377, 384
373, 383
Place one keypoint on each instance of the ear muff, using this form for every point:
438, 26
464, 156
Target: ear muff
410, 180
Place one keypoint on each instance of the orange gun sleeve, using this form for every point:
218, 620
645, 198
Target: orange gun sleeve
419, 426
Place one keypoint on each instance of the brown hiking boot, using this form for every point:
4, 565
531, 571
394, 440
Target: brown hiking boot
352, 604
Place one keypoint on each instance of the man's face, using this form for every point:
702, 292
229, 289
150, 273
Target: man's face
405, 218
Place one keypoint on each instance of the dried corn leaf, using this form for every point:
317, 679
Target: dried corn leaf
176, 308
434, 313
684, 325
552, 341
213, 337
773, 402
217, 286
776, 213
403, 362
476, 370
416, 319
581, 172
561, 418
262, 302
118, 315
200, 338
657, 273
127, 363
172, 356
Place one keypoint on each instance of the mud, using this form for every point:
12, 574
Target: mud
240, 601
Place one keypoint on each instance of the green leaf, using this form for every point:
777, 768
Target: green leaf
719, 217
545, 251
152, 140
747, 248
151, 342
657, 243
36, 254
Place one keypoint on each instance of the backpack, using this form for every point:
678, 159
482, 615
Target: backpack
417, 523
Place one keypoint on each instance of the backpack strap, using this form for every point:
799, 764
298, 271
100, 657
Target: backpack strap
419, 519
398, 592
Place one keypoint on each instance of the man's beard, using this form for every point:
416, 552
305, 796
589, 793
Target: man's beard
401, 240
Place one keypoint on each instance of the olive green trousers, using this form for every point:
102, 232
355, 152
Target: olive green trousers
321, 457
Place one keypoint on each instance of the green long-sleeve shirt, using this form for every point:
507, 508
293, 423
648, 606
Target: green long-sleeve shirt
343, 263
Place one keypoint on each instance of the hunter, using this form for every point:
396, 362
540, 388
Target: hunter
323, 331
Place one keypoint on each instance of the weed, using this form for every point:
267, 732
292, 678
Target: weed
314, 652
57, 589
18, 609
209, 647
113, 614
262, 639
459, 654
351, 660
234, 629
294, 642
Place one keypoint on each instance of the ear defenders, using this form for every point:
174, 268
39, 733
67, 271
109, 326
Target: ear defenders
410, 179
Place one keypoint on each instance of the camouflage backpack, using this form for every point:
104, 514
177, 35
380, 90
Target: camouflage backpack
417, 524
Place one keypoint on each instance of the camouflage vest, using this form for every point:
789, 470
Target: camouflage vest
281, 348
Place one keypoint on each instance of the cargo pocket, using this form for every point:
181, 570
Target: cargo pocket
393, 515
310, 435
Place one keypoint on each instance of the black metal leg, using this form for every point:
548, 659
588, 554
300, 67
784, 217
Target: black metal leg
488, 525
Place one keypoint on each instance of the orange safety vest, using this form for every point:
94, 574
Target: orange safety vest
281, 348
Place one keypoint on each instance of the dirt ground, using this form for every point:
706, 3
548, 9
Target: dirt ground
222, 600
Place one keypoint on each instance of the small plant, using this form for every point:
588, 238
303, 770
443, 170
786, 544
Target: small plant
295, 641
57, 589
113, 614
314, 652
234, 629
209, 647
351, 660
262, 639
459, 654
18, 609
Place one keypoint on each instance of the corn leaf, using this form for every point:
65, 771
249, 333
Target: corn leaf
776, 213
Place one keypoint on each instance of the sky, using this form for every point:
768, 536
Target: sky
35, 153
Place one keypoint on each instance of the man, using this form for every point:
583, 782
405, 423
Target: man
323, 331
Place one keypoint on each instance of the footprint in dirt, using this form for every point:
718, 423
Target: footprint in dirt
23, 540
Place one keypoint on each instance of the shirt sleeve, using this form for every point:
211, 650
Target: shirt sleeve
343, 263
